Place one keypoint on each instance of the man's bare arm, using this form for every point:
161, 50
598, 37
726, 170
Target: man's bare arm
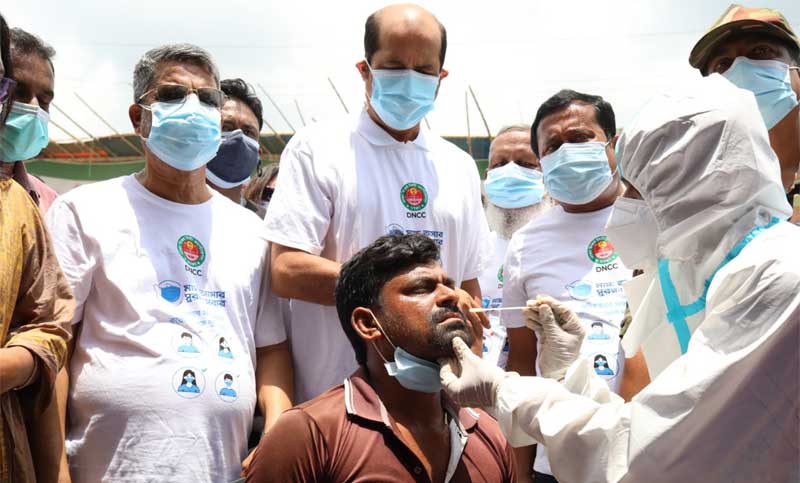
296, 274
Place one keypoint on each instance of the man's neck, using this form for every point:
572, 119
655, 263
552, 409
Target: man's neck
409, 408
184, 187
8, 168
401, 136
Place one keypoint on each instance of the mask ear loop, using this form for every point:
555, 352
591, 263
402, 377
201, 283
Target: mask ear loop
384, 334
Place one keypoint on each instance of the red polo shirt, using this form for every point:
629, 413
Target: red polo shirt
347, 435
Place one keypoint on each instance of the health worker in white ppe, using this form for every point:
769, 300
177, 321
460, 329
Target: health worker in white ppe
716, 314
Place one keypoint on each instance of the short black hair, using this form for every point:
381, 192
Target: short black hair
186, 334
562, 99
362, 278
227, 376
244, 92
372, 39
25, 43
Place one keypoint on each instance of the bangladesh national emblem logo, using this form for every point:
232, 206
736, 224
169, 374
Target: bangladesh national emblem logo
414, 196
500, 274
601, 251
191, 250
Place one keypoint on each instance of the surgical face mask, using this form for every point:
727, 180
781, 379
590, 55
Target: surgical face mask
189, 379
236, 159
633, 231
577, 173
513, 186
401, 98
184, 135
770, 82
25, 133
228, 382
412, 372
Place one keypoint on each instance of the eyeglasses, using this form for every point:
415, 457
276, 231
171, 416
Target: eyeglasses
177, 93
266, 195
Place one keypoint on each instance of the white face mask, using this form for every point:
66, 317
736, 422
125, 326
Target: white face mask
633, 231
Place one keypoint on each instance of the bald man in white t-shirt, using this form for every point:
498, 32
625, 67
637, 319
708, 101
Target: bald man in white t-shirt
343, 184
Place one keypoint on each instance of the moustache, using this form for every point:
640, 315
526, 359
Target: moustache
446, 312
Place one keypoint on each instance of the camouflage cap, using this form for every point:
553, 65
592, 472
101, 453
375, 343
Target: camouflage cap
738, 19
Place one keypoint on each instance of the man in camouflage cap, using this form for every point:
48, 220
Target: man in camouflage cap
757, 50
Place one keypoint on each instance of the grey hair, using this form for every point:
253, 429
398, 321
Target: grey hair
512, 128
25, 43
145, 71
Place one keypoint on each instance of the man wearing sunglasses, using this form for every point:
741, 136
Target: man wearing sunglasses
239, 152
153, 257
33, 84
343, 184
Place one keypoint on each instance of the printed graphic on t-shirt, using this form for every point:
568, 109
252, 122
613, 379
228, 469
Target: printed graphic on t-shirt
414, 197
598, 332
188, 382
170, 291
227, 387
193, 254
397, 229
601, 251
603, 364
580, 290
223, 348
186, 344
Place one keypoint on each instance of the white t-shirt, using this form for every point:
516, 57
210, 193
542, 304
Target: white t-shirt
173, 299
495, 344
568, 257
343, 184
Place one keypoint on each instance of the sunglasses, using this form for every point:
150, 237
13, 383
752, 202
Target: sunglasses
177, 93
266, 195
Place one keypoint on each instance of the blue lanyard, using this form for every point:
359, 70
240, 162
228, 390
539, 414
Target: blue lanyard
677, 313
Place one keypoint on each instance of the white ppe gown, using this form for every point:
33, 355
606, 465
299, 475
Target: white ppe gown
728, 409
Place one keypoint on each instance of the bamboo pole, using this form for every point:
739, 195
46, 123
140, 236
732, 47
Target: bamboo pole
74, 138
469, 130
122, 137
480, 111
300, 113
95, 140
338, 95
274, 132
277, 108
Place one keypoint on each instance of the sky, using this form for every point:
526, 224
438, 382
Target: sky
513, 53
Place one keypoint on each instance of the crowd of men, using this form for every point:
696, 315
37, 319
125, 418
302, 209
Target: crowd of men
208, 318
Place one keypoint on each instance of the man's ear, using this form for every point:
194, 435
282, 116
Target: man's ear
136, 115
364, 324
363, 69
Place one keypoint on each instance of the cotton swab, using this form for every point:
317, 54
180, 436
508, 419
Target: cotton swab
478, 309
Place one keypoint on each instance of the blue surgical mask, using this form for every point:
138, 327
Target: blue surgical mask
184, 135
770, 82
189, 379
228, 382
513, 186
401, 98
412, 372
235, 161
577, 173
25, 133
